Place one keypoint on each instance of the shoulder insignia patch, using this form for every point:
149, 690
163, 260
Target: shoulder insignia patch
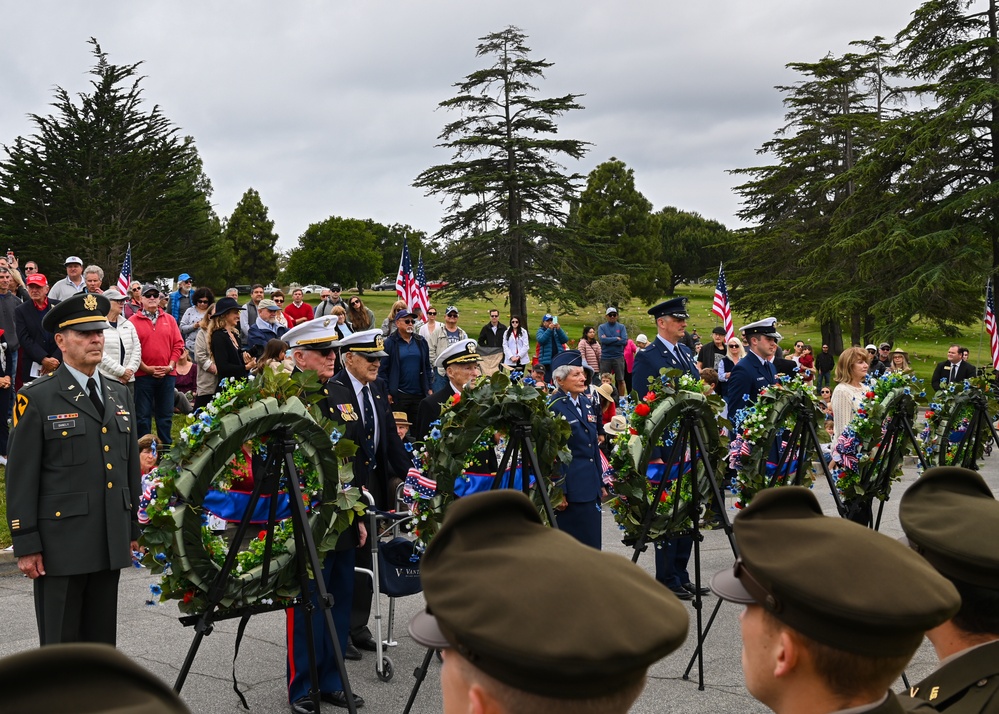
19, 406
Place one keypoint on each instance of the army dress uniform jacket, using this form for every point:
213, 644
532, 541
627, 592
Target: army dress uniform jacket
968, 684
72, 476
381, 471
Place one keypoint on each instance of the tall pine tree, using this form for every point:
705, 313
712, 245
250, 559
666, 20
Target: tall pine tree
251, 234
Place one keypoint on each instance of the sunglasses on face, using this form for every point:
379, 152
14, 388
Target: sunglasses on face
432, 313
30, 269
735, 347
280, 301
354, 303
514, 322
151, 295
204, 302
407, 321
370, 358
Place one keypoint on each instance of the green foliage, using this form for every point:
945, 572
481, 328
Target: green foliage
102, 173
251, 234
343, 250
505, 193
388, 240
617, 220
692, 246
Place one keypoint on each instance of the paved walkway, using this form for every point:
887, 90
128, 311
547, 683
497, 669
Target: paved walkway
153, 637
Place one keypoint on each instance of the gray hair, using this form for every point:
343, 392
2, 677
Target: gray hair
98, 270
561, 372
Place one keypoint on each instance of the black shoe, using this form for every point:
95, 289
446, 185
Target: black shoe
681, 594
691, 588
339, 699
365, 643
351, 653
303, 706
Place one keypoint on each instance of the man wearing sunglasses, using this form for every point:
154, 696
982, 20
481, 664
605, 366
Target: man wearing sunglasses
160, 345
359, 400
406, 369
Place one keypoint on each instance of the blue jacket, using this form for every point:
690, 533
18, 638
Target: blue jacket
745, 382
613, 338
583, 475
550, 340
649, 361
261, 336
388, 370
173, 307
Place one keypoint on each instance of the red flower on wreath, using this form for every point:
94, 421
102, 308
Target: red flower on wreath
188, 596
650, 396
869, 395
643, 410
929, 413
455, 399
262, 535
632, 430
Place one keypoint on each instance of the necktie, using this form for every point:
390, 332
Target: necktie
369, 420
95, 398
771, 370
579, 408
953, 373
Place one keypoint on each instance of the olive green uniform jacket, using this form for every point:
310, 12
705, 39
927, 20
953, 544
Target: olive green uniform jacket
967, 684
73, 478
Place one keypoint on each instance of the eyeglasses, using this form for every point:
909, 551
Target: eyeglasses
31, 269
407, 321
736, 346
514, 322
432, 313
204, 302
280, 301
151, 295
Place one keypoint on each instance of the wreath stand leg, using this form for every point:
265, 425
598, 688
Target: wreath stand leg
520, 444
306, 557
877, 477
805, 438
968, 449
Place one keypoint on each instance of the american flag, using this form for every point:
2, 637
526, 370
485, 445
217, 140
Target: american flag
721, 306
405, 283
125, 277
990, 323
422, 297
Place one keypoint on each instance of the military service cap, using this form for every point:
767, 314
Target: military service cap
84, 312
940, 512
837, 582
369, 342
461, 352
570, 358
674, 307
317, 334
82, 677
537, 610
766, 327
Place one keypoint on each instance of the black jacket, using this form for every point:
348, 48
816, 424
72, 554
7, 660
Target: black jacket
35, 341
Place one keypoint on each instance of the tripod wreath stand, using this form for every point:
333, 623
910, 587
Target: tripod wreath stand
973, 406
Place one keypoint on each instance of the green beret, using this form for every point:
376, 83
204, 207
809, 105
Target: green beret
537, 610
837, 582
951, 518
82, 677
84, 312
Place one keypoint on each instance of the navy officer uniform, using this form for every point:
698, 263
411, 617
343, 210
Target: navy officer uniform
381, 461
673, 556
753, 372
320, 335
72, 477
582, 477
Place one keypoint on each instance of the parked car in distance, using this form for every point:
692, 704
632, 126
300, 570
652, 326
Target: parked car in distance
387, 283
309, 289
437, 284
271, 287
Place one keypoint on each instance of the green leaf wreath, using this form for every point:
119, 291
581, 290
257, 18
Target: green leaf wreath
854, 453
179, 545
467, 427
949, 418
655, 421
774, 414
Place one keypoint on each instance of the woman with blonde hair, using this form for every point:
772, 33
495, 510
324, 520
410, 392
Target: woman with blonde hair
342, 328
851, 369
208, 378
388, 324
223, 342
899, 361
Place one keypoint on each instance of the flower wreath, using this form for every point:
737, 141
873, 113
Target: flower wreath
777, 408
949, 416
180, 546
856, 448
492, 405
655, 420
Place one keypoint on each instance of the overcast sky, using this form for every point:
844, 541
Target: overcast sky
329, 107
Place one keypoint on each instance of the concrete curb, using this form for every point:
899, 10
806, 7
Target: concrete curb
8, 563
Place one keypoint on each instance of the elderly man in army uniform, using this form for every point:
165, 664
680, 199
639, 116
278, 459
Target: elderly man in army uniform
510, 654
834, 610
72, 474
939, 513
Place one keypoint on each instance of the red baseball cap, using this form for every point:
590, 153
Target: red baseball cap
36, 279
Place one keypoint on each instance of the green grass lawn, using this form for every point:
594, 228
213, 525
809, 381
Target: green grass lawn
925, 346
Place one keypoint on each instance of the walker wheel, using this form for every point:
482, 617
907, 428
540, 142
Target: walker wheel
387, 671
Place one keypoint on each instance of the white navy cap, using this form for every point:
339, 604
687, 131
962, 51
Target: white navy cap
460, 352
368, 342
766, 327
317, 334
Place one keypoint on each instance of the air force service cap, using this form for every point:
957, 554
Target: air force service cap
495, 581
317, 334
460, 352
369, 343
83, 312
571, 358
674, 307
766, 327
837, 582
951, 518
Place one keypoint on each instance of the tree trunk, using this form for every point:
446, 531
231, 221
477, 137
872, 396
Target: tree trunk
994, 131
832, 335
868, 327
855, 328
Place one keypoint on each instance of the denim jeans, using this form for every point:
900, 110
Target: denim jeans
154, 399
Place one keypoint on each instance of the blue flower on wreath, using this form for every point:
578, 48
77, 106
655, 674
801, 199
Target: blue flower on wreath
529, 381
155, 590
335, 437
435, 433
406, 445
516, 376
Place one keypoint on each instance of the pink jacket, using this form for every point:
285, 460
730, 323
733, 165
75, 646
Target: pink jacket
629, 355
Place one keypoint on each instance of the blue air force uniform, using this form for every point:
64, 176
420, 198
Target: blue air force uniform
583, 475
